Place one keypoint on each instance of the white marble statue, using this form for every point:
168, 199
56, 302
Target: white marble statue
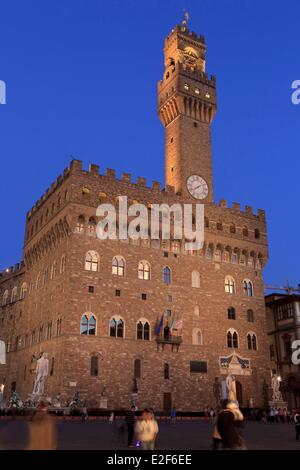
42, 369
276, 388
231, 387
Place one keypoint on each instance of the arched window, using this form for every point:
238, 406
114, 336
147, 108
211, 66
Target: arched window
219, 225
144, 270
252, 341
91, 226
92, 261
229, 285
80, 224
248, 288
53, 270
84, 325
63, 264
232, 228
166, 371
250, 316
94, 366
167, 275
143, 330
256, 234
245, 231
232, 339
92, 325
88, 325
5, 298
231, 313
197, 310
118, 266
14, 293
195, 279
52, 367
206, 222
197, 337
116, 328
137, 366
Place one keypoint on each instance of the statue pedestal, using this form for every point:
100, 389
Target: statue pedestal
278, 404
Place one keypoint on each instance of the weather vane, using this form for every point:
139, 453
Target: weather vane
185, 20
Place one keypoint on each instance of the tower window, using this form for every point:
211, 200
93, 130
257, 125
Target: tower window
172, 140
118, 293
197, 91
144, 296
91, 289
186, 86
195, 124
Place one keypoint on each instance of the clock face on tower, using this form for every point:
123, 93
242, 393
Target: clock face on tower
197, 187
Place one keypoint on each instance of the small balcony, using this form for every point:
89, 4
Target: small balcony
174, 341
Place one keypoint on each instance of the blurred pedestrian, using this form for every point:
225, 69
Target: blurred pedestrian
111, 418
146, 430
228, 421
84, 414
173, 415
130, 420
297, 427
42, 431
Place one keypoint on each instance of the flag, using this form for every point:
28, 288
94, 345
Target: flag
159, 325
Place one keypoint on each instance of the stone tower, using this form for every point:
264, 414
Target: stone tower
186, 106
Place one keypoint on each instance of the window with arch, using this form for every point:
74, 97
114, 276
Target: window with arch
91, 226
195, 279
167, 275
94, 366
197, 338
80, 224
118, 266
14, 294
245, 232
248, 288
219, 226
232, 228
257, 234
144, 270
252, 341
231, 313
206, 222
92, 261
5, 298
116, 328
137, 368
232, 339
88, 325
143, 330
229, 285
250, 316
197, 310
63, 261
166, 371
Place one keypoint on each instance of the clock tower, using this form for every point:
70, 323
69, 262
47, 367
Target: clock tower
186, 106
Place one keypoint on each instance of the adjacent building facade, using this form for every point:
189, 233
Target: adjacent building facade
283, 321
146, 319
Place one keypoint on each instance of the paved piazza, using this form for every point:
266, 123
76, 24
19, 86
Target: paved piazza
184, 435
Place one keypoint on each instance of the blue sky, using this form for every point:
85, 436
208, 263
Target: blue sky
81, 81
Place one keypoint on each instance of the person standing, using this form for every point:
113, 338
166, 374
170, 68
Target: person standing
42, 432
173, 415
227, 423
130, 420
146, 430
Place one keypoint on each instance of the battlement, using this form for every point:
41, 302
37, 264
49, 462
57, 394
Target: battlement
12, 270
186, 32
248, 210
195, 74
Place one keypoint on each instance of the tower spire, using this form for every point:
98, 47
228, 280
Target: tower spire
186, 17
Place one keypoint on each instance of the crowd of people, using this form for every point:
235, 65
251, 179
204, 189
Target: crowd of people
142, 430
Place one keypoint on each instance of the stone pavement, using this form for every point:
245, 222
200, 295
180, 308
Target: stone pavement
184, 435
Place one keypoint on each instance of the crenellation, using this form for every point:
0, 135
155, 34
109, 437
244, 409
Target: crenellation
223, 203
76, 165
169, 189
94, 169
236, 206
126, 178
156, 186
141, 181
249, 210
110, 173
